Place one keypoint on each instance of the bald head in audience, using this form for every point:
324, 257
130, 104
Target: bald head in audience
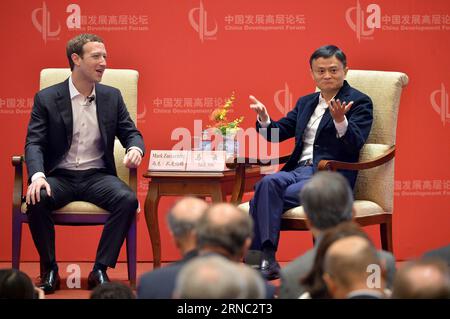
348, 264
226, 230
210, 277
422, 279
182, 220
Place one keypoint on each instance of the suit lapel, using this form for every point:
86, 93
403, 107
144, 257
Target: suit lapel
64, 106
102, 111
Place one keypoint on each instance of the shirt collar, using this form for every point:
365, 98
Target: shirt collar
74, 92
322, 100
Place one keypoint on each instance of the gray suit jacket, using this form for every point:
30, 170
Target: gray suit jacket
291, 288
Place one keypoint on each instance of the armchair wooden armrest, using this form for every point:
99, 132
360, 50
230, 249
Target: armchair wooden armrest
377, 161
17, 162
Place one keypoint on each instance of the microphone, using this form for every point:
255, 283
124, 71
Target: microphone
90, 98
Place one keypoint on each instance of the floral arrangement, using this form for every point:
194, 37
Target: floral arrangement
219, 117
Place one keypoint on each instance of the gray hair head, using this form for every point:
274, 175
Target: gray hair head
224, 226
184, 215
210, 277
327, 200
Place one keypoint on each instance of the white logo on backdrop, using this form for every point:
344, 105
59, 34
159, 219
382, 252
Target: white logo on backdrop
44, 26
441, 106
363, 26
201, 26
285, 105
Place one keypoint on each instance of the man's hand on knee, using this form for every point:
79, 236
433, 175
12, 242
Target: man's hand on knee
34, 190
132, 159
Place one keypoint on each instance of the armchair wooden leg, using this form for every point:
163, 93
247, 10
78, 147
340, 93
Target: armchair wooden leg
16, 241
386, 235
131, 253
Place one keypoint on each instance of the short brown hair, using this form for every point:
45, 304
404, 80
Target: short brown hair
75, 45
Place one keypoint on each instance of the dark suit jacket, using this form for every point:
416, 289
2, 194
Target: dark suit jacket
326, 144
50, 129
160, 283
442, 253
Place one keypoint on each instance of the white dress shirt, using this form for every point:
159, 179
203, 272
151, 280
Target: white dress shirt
309, 134
86, 150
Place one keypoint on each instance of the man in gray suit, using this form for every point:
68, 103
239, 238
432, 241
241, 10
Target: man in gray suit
327, 200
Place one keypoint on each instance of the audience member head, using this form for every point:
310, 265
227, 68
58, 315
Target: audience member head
422, 279
182, 220
327, 200
350, 265
225, 229
15, 284
210, 277
112, 290
314, 281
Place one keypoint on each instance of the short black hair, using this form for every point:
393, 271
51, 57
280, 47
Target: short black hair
15, 284
328, 51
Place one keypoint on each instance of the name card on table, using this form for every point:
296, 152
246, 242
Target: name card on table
167, 160
208, 161
201, 161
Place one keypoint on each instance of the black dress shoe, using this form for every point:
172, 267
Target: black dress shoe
50, 282
270, 269
97, 277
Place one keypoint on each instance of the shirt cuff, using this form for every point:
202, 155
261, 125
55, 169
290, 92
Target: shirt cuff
341, 127
36, 176
136, 148
263, 124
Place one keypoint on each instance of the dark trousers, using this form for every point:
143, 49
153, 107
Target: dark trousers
274, 194
94, 186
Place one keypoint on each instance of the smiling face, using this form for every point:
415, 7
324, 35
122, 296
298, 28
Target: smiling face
91, 64
328, 73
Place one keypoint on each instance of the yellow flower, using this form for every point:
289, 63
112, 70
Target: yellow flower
219, 117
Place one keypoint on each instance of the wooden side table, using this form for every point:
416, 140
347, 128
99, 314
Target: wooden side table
216, 185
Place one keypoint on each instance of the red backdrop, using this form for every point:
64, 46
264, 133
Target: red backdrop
192, 54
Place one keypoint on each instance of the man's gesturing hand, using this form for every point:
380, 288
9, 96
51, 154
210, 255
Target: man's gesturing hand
34, 190
259, 108
338, 110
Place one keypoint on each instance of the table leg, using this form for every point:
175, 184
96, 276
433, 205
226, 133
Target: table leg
151, 217
216, 193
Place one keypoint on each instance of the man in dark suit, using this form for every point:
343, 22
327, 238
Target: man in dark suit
69, 157
182, 220
331, 124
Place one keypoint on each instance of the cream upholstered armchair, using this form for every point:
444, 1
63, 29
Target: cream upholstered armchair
78, 212
374, 188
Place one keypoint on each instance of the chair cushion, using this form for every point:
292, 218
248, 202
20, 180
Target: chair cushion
362, 208
77, 207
